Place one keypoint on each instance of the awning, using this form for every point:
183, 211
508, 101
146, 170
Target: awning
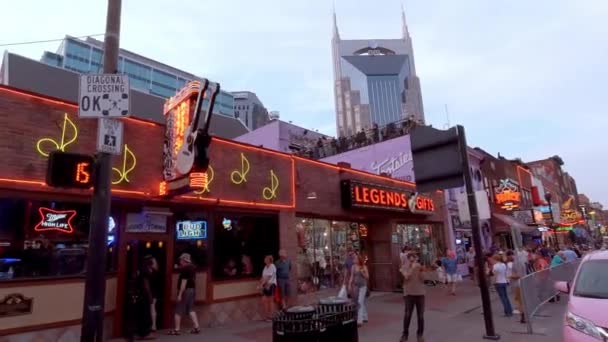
505, 222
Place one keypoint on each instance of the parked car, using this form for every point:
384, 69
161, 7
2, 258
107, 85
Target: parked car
587, 316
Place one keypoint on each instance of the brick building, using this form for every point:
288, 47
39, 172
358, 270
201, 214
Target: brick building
255, 202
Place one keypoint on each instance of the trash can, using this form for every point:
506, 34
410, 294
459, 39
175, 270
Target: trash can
339, 317
297, 324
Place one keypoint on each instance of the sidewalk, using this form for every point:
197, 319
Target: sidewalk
447, 318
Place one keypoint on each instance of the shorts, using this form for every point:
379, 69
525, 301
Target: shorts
186, 305
269, 291
453, 278
284, 287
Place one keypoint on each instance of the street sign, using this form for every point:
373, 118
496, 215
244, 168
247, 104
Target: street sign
104, 96
109, 136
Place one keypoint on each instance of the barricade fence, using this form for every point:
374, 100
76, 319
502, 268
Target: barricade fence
538, 288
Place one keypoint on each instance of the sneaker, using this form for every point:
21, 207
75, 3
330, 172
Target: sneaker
516, 312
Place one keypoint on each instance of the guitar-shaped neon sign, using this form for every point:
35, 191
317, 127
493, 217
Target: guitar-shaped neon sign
188, 153
58, 145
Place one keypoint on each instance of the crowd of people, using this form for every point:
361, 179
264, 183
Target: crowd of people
502, 269
326, 147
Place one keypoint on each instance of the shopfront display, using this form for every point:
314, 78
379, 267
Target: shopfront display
325, 249
427, 239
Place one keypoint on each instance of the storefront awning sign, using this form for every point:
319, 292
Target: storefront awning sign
357, 194
191, 230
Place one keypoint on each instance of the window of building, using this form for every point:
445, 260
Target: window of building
44, 239
241, 242
191, 236
427, 239
324, 252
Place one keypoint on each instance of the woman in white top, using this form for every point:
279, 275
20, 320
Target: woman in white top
501, 282
268, 283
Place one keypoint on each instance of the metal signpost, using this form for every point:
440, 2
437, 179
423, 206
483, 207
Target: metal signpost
103, 97
441, 161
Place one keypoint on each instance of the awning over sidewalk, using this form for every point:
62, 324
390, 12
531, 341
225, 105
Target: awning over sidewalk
505, 222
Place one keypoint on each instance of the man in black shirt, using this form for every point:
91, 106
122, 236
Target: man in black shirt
185, 295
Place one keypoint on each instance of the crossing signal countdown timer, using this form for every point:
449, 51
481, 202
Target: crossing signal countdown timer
70, 170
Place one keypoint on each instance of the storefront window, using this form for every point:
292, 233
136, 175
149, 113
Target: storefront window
323, 252
41, 239
427, 239
240, 244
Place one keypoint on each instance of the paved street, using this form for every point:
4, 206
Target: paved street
447, 319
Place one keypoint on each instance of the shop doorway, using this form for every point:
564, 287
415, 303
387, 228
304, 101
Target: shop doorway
138, 253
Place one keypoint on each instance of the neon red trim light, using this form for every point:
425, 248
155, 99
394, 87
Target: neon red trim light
58, 220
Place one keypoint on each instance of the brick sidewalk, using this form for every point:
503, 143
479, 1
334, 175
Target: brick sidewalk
448, 318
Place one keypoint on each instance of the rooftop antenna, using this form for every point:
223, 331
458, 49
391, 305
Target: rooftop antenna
447, 116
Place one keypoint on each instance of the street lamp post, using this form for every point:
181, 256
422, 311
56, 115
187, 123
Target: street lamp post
552, 226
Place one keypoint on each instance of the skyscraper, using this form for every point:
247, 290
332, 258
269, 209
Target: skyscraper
375, 81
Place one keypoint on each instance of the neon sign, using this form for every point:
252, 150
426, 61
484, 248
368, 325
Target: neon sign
508, 195
240, 176
271, 192
191, 230
227, 224
42, 146
358, 194
198, 180
57, 220
421, 204
209, 174
123, 173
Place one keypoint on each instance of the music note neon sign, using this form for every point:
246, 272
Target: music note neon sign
271, 192
123, 173
210, 174
240, 176
61, 144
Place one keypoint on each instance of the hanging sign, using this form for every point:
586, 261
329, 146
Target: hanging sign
357, 194
507, 194
57, 220
146, 223
191, 230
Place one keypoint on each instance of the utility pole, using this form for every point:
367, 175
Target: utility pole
95, 285
479, 260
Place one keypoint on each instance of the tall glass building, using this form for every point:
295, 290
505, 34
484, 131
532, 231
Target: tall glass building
146, 75
375, 82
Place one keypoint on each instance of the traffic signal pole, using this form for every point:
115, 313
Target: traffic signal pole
479, 258
95, 285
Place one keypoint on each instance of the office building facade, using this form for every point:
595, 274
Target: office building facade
375, 82
145, 74
250, 110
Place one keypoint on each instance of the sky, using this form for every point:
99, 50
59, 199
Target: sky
527, 79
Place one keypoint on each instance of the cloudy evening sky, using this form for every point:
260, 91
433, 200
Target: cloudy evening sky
526, 78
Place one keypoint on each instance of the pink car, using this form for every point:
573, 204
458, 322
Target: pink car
587, 315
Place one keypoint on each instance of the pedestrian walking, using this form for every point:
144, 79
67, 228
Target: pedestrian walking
470, 260
358, 284
283, 266
450, 265
413, 293
268, 283
185, 295
501, 283
517, 271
